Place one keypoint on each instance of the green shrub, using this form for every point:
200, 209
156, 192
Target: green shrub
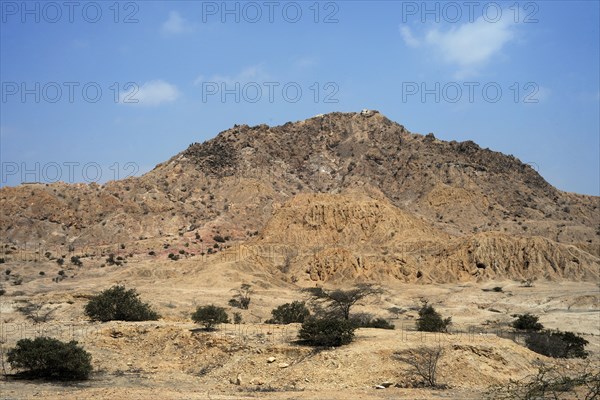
50, 358
289, 313
557, 344
366, 320
527, 322
431, 321
379, 323
210, 316
119, 304
326, 332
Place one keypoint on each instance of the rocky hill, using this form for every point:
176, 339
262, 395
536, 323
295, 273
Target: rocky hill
346, 195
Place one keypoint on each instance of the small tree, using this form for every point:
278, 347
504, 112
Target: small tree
49, 358
338, 301
210, 316
431, 321
424, 361
119, 304
326, 332
289, 313
527, 322
242, 297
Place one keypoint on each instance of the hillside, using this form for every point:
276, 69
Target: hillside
354, 189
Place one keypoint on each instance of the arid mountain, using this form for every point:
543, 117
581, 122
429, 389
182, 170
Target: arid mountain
345, 195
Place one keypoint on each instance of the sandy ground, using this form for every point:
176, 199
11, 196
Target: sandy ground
170, 359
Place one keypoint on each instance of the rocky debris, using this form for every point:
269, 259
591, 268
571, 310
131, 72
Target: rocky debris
257, 381
237, 380
271, 360
384, 385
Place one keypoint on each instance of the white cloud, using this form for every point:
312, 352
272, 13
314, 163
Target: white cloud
175, 24
152, 93
408, 37
469, 46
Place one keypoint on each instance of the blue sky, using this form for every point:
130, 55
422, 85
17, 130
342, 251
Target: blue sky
99, 90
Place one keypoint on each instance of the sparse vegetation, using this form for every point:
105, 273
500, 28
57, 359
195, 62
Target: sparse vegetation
210, 316
110, 260
326, 332
557, 344
241, 299
527, 322
378, 323
424, 362
49, 358
119, 304
431, 321
550, 383
35, 312
237, 318
288, 313
338, 302
219, 239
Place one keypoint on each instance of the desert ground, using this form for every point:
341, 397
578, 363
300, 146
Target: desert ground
172, 359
